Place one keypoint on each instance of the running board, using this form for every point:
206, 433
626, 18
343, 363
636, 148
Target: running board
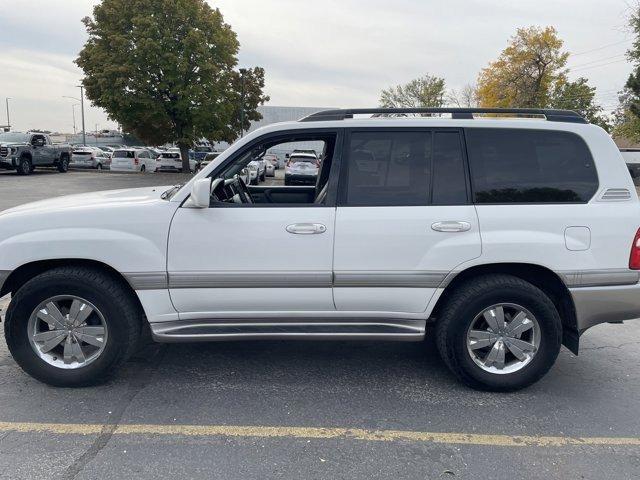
313, 329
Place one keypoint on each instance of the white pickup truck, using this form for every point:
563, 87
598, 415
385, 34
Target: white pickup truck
509, 236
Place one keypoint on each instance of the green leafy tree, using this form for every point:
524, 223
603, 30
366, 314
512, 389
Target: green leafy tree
627, 115
166, 71
579, 96
426, 91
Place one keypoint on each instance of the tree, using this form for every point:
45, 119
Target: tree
426, 91
579, 97
627, 115
165, 71
625, 123
526, 72
467, 97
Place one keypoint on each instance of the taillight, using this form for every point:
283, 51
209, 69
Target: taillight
634, 258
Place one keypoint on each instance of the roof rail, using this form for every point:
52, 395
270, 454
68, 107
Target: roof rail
456, 113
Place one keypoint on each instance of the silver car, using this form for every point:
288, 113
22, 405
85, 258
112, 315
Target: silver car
90, 157
302, 168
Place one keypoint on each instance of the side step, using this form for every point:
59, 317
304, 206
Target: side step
268, 329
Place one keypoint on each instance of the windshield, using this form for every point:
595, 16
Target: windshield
14, 137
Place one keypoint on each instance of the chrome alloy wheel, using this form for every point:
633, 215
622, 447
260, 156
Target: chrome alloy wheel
67, 332
503, 338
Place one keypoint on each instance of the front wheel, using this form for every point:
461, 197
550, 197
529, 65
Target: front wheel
25, 167
72, 326
499, 333
63, 165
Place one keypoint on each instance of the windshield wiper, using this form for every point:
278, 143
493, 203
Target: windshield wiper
169, 193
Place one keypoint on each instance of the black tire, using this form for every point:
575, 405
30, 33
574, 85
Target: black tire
63, 165
25, 167
121, 313
143, 168
263, 177
99, 167
473, 297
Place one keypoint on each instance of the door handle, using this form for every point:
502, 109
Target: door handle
306, 228
451, 226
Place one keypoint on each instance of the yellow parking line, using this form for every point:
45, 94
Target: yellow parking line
321, 433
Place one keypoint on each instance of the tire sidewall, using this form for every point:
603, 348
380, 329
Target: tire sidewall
25, 166
25, 302
550, 337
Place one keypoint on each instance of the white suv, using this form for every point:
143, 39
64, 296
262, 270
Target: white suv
509, 235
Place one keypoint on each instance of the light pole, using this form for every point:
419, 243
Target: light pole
73, 111
81, 100
8, 117
84, 138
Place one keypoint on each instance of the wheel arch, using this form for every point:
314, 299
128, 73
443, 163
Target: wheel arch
21, 275
542, 277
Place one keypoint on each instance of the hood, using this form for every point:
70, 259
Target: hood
105, 199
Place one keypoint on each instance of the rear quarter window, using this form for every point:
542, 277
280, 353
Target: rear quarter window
530, 166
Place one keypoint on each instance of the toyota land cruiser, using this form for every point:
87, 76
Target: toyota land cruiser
510, 236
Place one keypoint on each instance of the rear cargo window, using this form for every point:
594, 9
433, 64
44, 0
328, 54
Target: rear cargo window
530, 166
124, 154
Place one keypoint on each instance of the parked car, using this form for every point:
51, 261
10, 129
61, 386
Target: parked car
90, 157
270, 169
301, 168
208, 158
254, 175
631, 157
200, 151
508, 237
23, 152
261, 169
132, 160
273, 160
171, 161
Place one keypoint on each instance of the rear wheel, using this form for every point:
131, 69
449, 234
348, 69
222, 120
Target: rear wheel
499, 333
25, 167
142, 169
99, 167
72, 326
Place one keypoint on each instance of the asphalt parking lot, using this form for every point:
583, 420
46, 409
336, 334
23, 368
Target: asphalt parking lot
309, 410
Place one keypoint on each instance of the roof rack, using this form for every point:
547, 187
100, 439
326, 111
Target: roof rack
551, 115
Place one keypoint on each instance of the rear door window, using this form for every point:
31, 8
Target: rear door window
449, 171
530, 166
388, 168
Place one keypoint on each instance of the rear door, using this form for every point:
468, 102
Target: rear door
404, 218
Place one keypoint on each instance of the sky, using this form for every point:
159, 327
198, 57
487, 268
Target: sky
318, 53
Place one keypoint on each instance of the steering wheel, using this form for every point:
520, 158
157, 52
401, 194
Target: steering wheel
243, 191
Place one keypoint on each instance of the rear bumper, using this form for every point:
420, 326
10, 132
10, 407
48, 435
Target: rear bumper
4, 274
603, 304
310, 179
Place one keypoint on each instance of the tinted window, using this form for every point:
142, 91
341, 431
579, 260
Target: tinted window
123, 154
530, 166
449, 179
388, 168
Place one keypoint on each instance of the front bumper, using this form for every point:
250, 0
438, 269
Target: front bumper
610, 304
7, 163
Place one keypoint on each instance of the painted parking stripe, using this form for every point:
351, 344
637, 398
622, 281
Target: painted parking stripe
321, 433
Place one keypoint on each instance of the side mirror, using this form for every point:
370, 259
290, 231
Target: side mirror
201, 193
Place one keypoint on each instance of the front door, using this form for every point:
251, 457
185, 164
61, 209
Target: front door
404, 219
247, 260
